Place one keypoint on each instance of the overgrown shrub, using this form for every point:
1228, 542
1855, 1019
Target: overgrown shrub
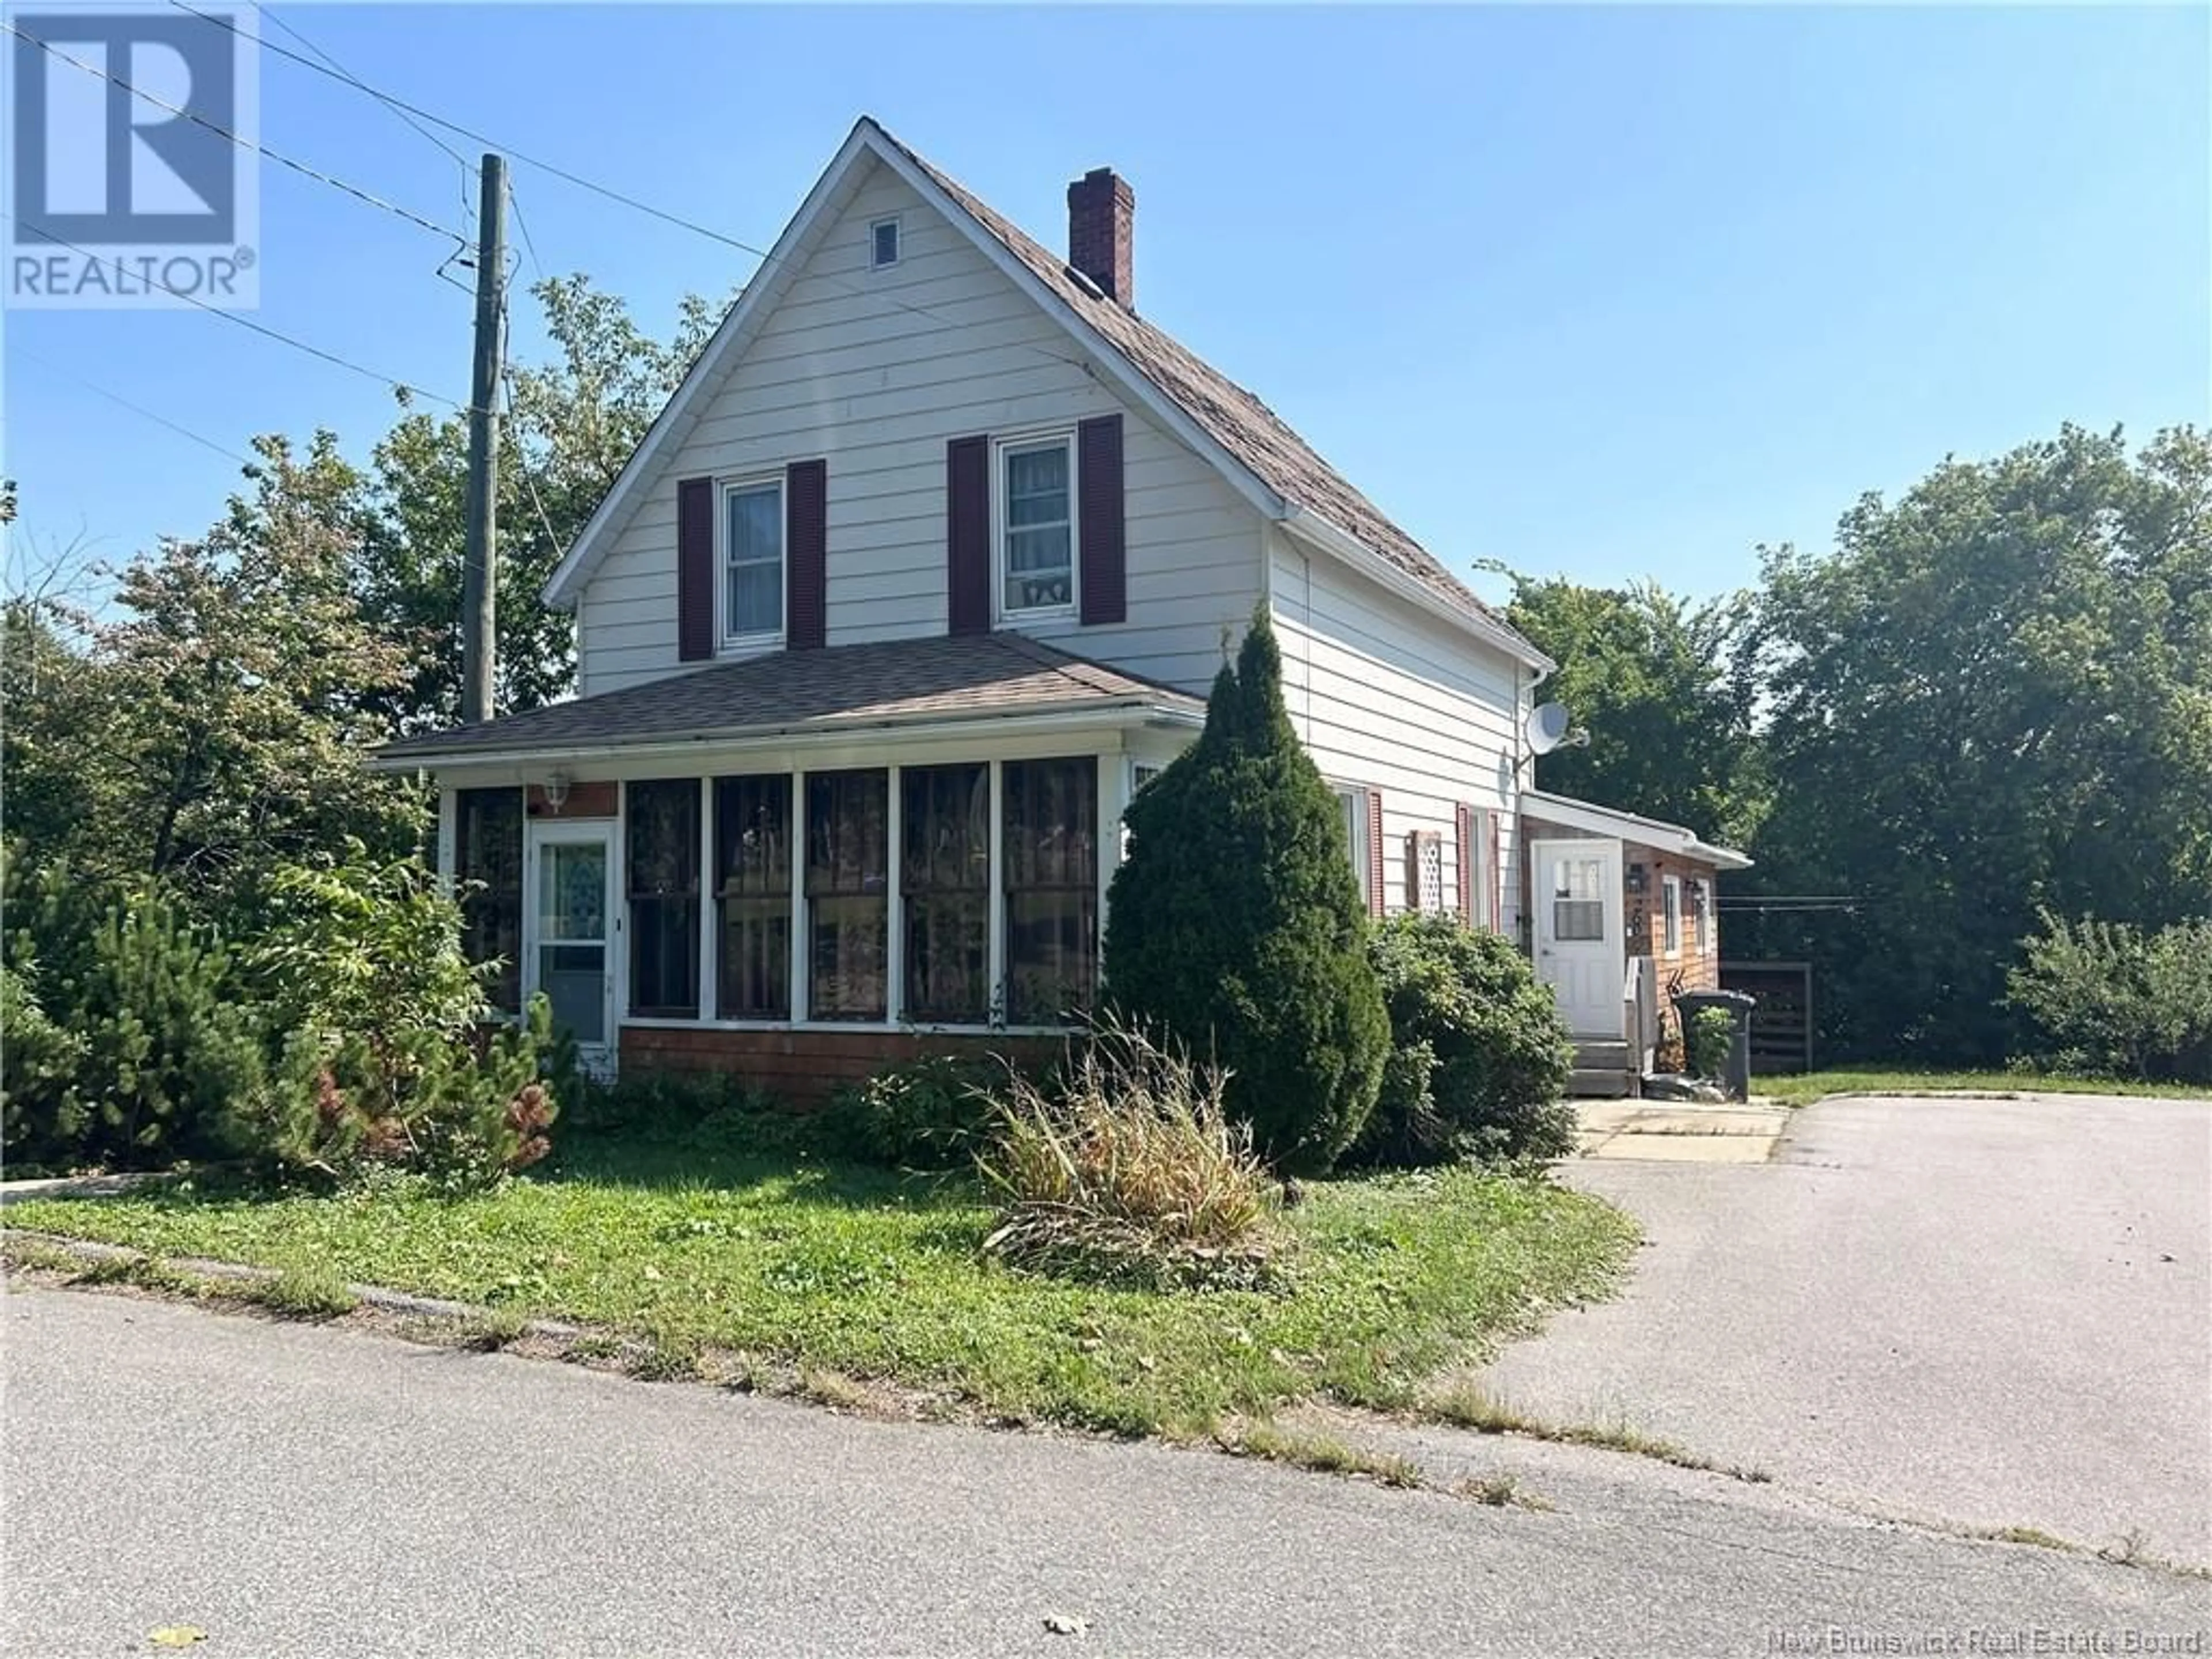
711, 1110
394, 1056
1130, 1171
933, 1113
1709, 1035
1480, 1054
41, 1119
170, 1061
2112, 997
1237, 924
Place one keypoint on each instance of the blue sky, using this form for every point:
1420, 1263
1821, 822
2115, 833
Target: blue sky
1608, 292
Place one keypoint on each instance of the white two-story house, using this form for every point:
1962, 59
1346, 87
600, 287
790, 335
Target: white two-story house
925, 567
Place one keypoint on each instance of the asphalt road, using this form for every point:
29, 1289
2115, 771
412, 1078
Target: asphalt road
295, 1489
1994, 1312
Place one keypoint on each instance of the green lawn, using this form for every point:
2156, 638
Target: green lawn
1802, 1090
864, 1272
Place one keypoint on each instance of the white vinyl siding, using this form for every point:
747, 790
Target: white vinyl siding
1381, 690
874, 371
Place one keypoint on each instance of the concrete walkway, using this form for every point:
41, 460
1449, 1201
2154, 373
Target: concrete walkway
1991, 1313
1678, 1132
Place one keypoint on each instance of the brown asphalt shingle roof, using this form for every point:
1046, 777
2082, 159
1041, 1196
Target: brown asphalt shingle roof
1233, 417
953, 676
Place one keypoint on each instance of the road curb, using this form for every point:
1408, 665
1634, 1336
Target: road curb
380, 1297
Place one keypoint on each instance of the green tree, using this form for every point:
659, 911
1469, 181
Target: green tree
1658, 683
216, 723
572, 425
1238, 926
1993, 697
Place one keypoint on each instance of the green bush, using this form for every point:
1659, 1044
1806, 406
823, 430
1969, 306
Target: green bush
1480, 1052
715, 1110
41, 1119
1708, 1036
172, 1061
928, 1113
1128, 1170
1237, 926
394, 1056
2113, 999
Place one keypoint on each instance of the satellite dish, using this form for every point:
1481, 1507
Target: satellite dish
1547, 727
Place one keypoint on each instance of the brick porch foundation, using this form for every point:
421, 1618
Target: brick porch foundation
804, 1067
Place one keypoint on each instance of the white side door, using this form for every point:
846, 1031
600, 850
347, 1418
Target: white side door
567, 944
1576, 889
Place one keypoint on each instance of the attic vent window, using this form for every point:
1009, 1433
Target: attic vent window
884, 243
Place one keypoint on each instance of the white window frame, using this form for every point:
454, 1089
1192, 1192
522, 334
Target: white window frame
732, 641
1671, 915
898, 241
1001, 448
1353, 798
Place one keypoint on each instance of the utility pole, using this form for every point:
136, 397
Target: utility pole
479, 569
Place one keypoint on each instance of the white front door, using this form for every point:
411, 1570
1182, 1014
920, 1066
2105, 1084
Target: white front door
567, 946
1576, 889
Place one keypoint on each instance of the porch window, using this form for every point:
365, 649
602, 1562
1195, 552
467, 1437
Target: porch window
944, 884
661, 829
1051, 865
752, 890
1670, 893
488, 873
1036, 529
847, 832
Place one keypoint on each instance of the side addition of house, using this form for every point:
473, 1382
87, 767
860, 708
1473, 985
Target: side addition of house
924, 569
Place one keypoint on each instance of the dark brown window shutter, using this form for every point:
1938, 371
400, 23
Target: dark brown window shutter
1102, 546
695, 570
807, 555
967, 535
1375, 897
1463, 834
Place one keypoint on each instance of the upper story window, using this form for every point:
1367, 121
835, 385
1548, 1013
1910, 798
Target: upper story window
752, 563
1036, 525
882, 243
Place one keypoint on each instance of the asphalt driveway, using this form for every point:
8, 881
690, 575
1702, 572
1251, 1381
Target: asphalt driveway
1988, 1312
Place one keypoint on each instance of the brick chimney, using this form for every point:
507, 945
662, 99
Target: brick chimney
1101, 233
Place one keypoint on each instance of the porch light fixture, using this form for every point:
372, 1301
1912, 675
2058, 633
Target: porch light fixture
1636, 878
557, 790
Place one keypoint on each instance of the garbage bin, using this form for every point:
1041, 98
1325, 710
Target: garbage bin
1738, 1005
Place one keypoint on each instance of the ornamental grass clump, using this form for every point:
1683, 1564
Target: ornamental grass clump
1127, 1170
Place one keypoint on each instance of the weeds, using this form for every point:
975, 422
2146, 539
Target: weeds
1321, 1453
1130, 1172
1499, 1490
301, 1293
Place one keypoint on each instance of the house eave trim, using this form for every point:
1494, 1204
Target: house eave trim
1119, 716
1569, 813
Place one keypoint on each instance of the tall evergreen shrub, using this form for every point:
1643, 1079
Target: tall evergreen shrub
1238, 926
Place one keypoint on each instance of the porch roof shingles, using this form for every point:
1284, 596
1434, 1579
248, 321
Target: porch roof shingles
954, 677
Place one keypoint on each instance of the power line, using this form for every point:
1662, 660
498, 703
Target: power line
406, 388
136, 409
474, 136
299, 167
460, 160
596, 188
